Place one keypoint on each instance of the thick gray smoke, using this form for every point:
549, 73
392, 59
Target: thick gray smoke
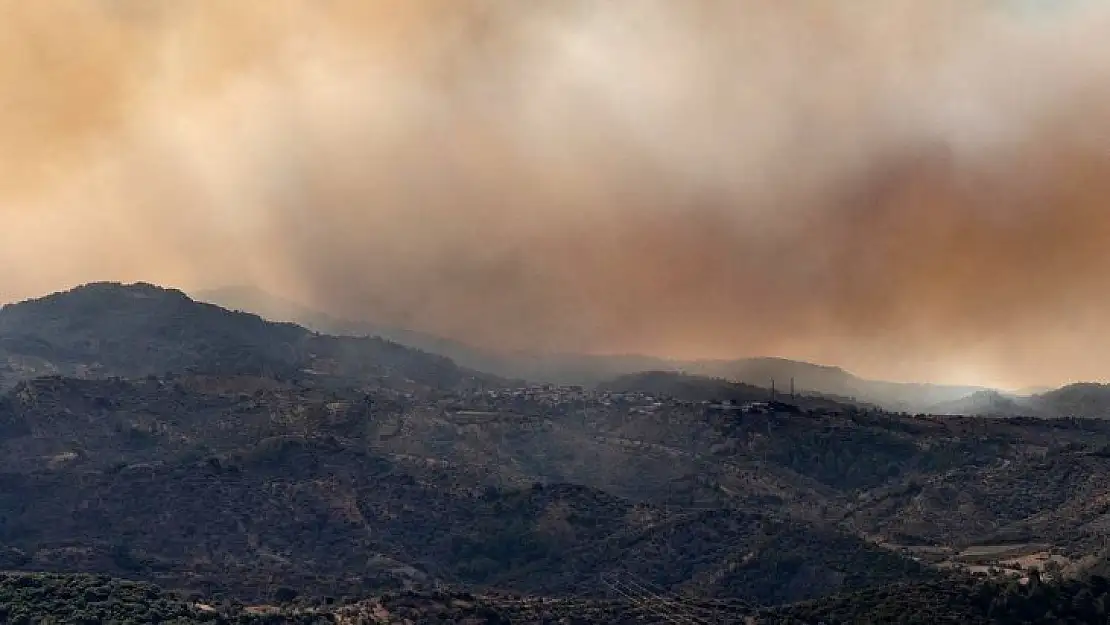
907, 188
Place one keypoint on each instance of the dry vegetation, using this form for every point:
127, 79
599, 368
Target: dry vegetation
399, 486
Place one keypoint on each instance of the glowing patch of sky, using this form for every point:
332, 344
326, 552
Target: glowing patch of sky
1039, 8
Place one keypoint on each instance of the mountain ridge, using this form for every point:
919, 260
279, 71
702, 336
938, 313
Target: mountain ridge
131, 330
1080, 399
590, 370
226, 456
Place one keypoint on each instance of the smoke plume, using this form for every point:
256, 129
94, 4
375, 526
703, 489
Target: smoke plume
908, 188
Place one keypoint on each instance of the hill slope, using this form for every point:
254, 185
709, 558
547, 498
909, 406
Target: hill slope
589, 370
109, 329
1085, 400
247, 483
239, 457
990, 403
1075, 400
323, 517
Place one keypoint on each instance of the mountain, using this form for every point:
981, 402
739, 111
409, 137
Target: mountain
242, 486
111, 329
1087, 399
829, 381
268, 306
591, 369
761, 371
696, 388
230, 459
1078, 400
553, 368
684, 387
239, 485
988, 403
252, 300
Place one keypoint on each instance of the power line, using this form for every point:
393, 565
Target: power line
650, 602
662, 596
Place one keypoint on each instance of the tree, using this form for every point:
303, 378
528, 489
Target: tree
284, 594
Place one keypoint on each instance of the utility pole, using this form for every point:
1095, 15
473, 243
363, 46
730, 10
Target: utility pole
772, 389
791, 389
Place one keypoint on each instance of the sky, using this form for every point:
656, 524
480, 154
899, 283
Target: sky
913, 190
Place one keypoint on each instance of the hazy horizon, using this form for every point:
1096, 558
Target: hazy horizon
911, 190
293, 309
